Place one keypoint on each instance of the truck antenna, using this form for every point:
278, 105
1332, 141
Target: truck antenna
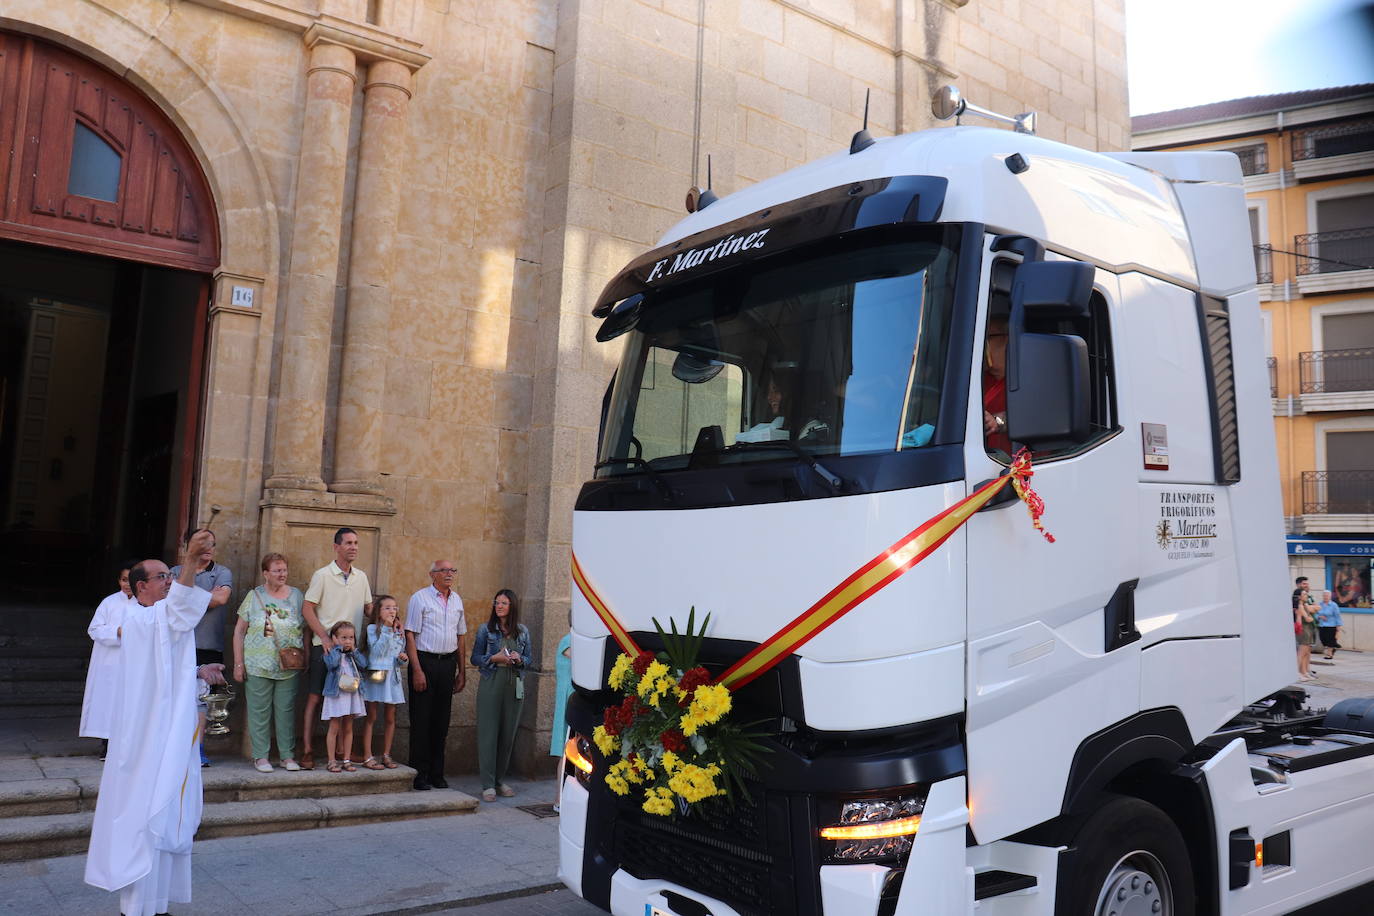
949, 103
862, 139
697, 199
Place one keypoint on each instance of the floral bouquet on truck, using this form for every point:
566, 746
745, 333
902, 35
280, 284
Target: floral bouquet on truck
672, 732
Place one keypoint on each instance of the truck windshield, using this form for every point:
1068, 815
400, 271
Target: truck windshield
826, 354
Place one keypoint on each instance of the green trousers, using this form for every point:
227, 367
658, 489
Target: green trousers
268, 698
498, 714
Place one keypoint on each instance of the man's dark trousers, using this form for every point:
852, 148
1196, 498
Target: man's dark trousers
429, 715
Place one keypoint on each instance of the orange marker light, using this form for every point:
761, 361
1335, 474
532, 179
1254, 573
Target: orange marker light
574, 755
1259, 855
876, 830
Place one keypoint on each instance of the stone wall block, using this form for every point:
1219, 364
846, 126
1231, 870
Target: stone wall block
512, 461
408, 384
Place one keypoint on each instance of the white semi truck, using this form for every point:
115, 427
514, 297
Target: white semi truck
1098, 725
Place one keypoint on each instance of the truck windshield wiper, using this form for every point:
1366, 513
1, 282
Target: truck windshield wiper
637, 462
834, 481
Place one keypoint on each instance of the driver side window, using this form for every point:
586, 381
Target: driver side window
1095, 331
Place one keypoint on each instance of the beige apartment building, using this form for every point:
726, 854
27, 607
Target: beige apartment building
298, 264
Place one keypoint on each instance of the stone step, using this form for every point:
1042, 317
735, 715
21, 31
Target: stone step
72, 785
60, 668
45, 835
51, 692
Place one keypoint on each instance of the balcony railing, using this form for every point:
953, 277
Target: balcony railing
1336, 370
1333, 140
1338, 492
1254, 160
1264, 264
1273, 364
1332, 252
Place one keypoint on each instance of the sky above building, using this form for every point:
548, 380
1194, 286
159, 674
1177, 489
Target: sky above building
1181, 53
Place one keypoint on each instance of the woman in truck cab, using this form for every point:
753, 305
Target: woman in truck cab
995, 386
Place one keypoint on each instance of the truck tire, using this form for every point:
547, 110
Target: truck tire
1130, 860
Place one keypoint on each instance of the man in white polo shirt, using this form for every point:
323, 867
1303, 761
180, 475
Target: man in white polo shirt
434, 639
339, 591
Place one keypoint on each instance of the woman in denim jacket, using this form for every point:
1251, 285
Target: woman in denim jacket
501, 649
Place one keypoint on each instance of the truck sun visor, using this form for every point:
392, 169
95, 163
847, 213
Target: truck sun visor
860, 205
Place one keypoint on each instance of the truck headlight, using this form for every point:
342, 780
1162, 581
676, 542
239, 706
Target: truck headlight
874, 828
578, 752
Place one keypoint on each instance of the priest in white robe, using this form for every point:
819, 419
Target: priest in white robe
97, 705
150, 792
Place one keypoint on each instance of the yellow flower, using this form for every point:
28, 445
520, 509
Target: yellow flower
670, 762
661, 689
658, 801
692, 719
623, 666
617, 785
709, 703
650, 679
694, 783
605, 741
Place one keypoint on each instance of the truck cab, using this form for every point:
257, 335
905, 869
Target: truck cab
818, 364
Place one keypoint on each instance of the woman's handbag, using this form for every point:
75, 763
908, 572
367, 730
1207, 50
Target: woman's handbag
290, 658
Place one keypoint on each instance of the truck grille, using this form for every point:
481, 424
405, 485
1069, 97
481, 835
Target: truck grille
718, 850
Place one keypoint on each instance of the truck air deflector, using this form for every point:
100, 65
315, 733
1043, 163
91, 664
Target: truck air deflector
898, 200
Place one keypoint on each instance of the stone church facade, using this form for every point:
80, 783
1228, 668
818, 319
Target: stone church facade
394, 217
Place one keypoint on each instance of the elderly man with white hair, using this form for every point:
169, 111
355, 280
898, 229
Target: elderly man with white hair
434, 640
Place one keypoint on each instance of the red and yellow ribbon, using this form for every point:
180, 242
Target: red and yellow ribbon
866, 581
622, 636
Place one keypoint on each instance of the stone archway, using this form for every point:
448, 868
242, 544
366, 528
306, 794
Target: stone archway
94, 166
161, 56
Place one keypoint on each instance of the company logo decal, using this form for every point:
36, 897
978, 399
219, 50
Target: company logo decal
695, 257
1187, 525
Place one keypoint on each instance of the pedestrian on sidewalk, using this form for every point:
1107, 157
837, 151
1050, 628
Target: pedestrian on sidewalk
434, 625
97, 706
269, 621
501, 650
149, 803
1304, 627
1329, 625
384, 644
337, 592
343, 700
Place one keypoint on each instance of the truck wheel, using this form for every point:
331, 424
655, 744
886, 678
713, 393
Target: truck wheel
1131, 861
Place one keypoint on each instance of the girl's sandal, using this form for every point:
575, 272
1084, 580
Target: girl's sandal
307, 761
372, 764
334, 767
388, 762
349, 767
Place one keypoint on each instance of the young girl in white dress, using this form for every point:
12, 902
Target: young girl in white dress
344, 666
384, 643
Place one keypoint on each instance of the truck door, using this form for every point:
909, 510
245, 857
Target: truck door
1043, 672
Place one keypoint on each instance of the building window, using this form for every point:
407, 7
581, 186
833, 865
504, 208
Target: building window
1344, 239
1254, 160
1264, 264
95, 166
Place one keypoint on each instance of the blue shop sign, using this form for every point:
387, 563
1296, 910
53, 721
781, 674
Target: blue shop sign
1307, 547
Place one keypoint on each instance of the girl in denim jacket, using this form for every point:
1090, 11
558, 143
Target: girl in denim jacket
501, 649
344, 665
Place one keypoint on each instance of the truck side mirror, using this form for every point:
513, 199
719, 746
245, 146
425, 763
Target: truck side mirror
1047, 373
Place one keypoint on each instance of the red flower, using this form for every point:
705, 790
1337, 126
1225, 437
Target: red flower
673, 740
642, 663
611, 721
691, 680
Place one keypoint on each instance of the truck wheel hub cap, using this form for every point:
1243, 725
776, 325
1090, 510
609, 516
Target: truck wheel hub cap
1133, 888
